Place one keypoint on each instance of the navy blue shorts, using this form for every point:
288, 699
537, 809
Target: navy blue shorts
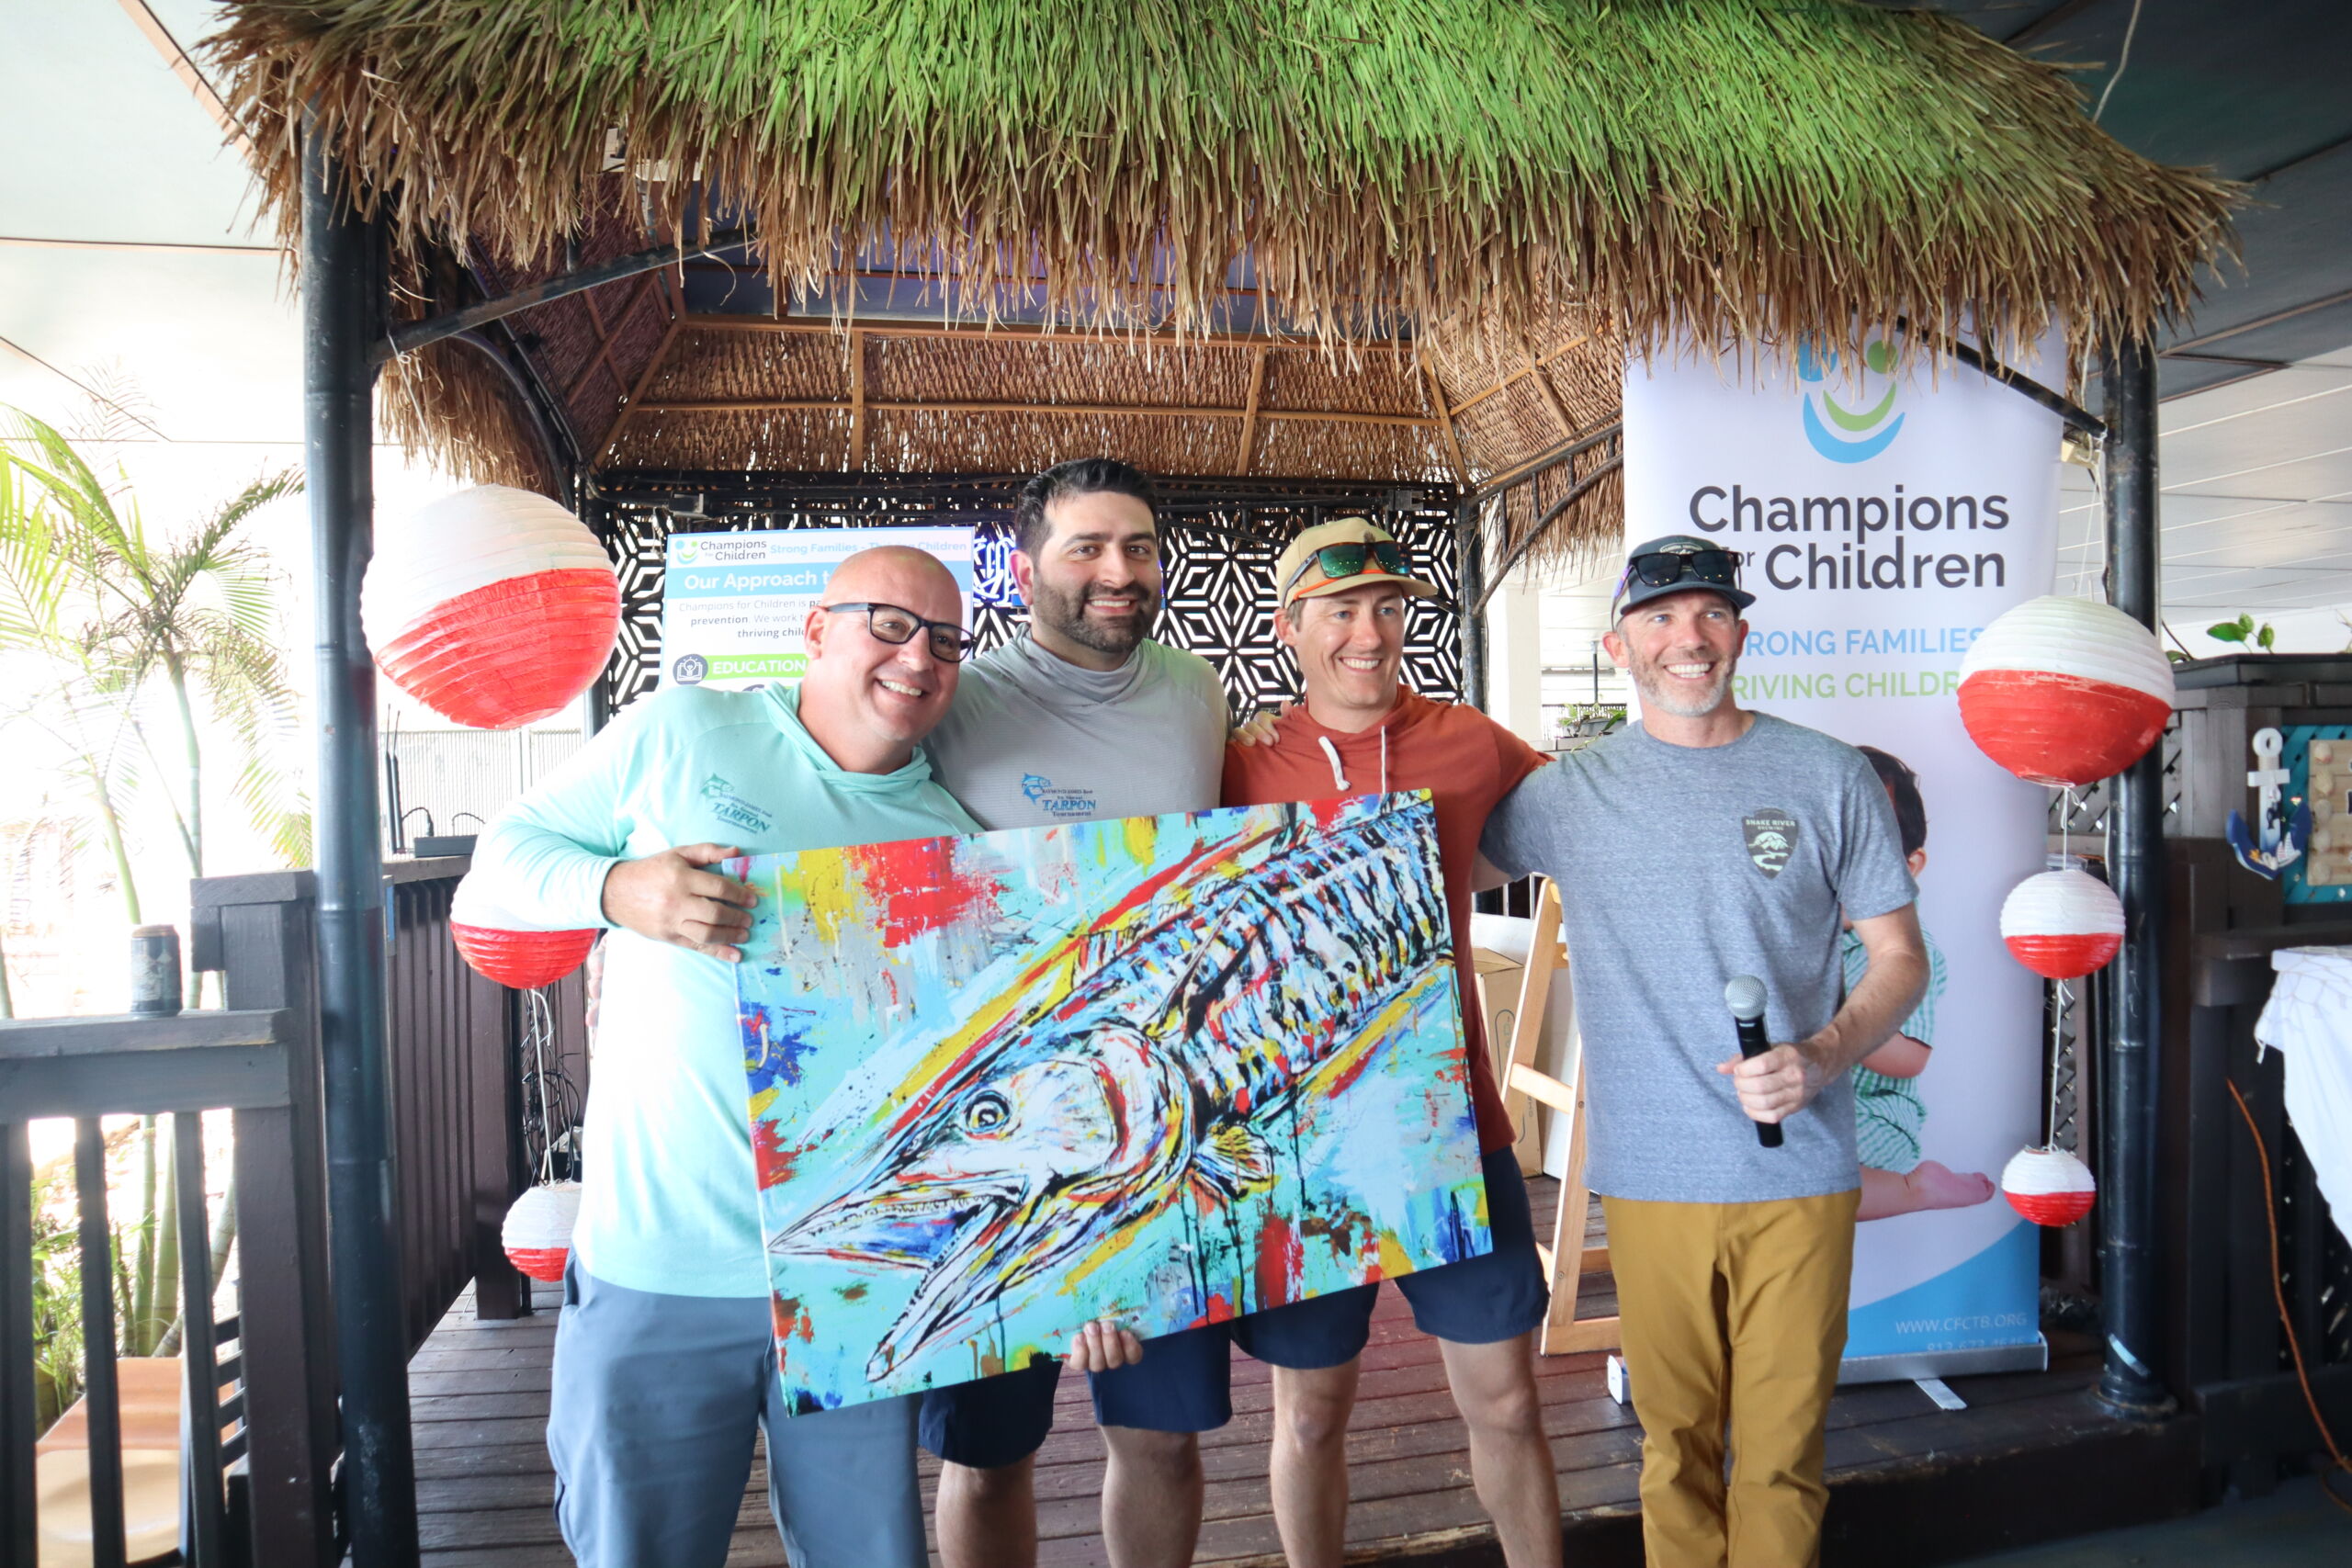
1180, 1385
1499, 1295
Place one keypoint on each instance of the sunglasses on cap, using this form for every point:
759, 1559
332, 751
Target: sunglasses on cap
1352, 558
1658, 569
950, 644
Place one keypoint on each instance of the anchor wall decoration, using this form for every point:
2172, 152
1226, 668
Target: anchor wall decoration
2278, 842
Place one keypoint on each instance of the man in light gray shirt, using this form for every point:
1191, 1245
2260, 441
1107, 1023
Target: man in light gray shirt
1704, 844
1084, 719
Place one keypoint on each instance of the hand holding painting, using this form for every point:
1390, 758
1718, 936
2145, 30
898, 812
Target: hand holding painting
668, 897
1745, 996
1104, 1344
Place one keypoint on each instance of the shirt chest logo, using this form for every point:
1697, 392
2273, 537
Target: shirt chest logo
720, 794
1771, 838
1056, 800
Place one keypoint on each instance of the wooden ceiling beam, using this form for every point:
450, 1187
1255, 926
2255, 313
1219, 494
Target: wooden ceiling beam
1247, 452
1446, 423
629, 405
720, 322
857, 398
1535, 363
604, 354
1121, 410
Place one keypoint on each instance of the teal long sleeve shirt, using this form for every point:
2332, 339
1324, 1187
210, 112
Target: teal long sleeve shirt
670, 1201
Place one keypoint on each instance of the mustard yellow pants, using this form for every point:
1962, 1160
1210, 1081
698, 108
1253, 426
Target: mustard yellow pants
1733, 1318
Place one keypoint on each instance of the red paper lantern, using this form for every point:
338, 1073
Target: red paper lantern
494, 607
2065, 691
537, 1233
2049, 1186
497, 946
2062, 924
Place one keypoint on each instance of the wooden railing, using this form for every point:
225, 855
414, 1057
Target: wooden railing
455, 1088
255, 1466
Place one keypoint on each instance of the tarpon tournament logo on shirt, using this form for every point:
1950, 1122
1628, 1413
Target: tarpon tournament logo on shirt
732, 808
1771, 838
1056, 801
1864, 439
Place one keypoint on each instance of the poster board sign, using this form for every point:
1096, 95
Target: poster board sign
1886, 517
1168, 1070
733, 604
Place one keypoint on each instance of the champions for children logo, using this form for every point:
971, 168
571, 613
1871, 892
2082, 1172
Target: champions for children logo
1868, 430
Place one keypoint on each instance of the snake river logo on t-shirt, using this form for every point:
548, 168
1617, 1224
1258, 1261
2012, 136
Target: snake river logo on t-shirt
1771, 838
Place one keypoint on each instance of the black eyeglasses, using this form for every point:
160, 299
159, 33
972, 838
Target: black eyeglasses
1349, 560
1659, 568
950, 644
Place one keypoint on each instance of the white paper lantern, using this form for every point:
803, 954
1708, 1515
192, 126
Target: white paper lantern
2062, 924
497, 945
494, 607
2065, 691
537, 1234
2049, 1186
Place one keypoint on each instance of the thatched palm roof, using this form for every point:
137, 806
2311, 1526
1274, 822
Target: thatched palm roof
1472, 172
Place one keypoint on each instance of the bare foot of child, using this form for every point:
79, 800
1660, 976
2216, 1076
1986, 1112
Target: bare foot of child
1930, 1185
1938, 1186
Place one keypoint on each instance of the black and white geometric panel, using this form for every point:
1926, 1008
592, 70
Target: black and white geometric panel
1220, 539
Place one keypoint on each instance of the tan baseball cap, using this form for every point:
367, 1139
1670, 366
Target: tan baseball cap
1305, 572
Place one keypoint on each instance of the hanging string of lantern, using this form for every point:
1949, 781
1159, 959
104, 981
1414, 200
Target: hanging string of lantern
2062, 692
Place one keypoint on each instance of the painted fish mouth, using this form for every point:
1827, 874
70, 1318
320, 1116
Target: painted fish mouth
913, 1228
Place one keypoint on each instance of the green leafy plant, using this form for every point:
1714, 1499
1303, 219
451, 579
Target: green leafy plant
2245, 631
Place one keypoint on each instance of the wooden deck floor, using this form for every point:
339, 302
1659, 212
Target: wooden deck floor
479, 1396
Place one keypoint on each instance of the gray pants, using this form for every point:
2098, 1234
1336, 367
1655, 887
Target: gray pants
650, 1425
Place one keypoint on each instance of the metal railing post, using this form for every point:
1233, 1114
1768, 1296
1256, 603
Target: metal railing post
2128, 1280
341, 308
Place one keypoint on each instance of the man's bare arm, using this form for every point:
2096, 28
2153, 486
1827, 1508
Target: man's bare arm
1783, 1080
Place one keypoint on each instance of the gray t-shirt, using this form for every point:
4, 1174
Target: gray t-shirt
1034, 740
1679, 868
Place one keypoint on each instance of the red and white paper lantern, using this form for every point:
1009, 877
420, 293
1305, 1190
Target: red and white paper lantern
2065, 691
2062, 924
537, 1234
494, 607
498, 946
2049, 1186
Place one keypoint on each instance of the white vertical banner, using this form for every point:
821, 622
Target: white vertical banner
1886, 517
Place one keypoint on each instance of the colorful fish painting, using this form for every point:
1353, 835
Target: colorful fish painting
1168, 1070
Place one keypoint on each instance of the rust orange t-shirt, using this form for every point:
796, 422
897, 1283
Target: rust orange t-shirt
1466, 759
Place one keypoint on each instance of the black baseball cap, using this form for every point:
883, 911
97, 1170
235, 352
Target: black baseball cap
1652, 572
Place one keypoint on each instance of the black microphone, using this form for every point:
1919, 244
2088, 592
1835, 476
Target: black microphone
1745, 996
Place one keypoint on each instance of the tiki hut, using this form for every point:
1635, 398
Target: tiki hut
1400, 245
810, 259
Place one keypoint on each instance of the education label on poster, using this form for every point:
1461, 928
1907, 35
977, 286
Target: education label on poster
733, 605
1885, 516
1166, 1070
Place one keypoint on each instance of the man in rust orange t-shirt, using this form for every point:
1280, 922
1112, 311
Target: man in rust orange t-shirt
1342, 591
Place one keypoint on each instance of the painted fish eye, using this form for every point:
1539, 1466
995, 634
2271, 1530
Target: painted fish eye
987, 1113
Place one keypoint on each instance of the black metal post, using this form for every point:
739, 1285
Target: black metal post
1470, 569
342, 307
19, 1499
2128, 1284
101, 1397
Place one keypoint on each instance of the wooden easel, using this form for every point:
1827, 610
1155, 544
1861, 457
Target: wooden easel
1567, 1259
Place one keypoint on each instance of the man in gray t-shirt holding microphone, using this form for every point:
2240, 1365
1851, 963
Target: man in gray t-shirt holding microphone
1084, 719
1704, 844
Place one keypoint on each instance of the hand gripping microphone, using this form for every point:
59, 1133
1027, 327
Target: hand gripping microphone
1745, 996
